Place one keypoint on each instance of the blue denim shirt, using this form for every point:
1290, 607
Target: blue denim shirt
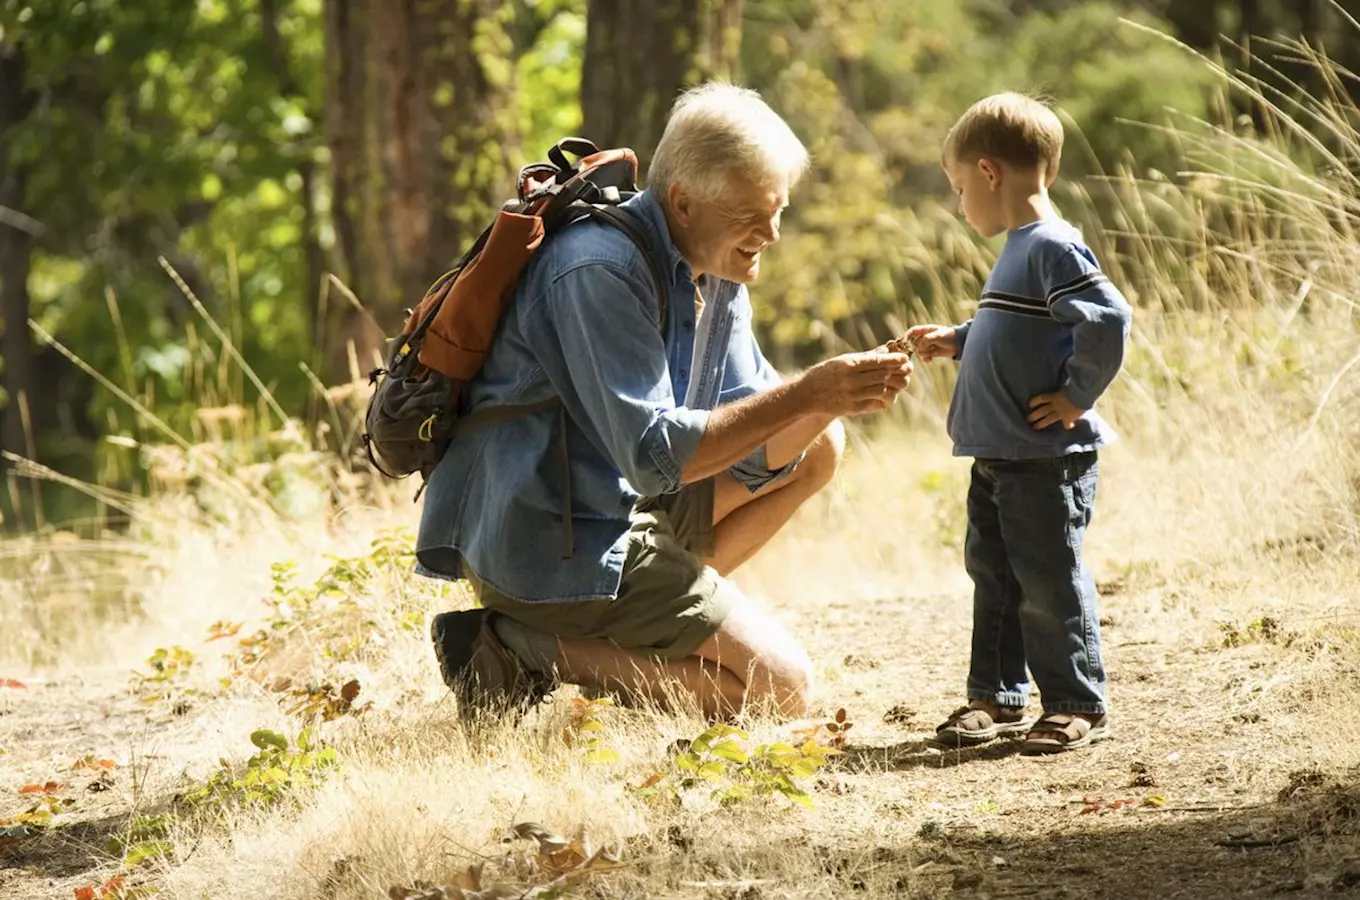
583, 326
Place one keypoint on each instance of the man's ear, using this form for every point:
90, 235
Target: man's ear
682, 208
992, 172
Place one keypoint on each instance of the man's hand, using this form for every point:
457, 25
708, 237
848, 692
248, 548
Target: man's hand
1049, 409
932, 341
856, 383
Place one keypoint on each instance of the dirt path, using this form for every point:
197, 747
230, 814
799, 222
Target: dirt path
1222, 781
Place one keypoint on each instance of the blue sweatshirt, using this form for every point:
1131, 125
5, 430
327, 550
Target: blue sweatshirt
1048, 320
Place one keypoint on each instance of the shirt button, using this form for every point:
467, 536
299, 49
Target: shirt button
684, 373
688, 323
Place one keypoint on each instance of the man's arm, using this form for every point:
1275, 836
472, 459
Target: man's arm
852, 384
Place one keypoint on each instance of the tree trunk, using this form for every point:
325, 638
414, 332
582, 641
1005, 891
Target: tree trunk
16, 255
1196, 21
641, 53
422, 133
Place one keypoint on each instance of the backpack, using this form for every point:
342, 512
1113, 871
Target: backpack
415, 411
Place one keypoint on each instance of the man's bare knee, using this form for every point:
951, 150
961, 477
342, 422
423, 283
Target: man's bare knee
782, 686
824, 455
793, 692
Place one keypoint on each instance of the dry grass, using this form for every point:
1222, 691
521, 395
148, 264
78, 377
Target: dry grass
1226, 543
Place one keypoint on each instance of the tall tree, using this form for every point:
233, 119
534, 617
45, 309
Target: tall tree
641, 53
422, 134
17, 232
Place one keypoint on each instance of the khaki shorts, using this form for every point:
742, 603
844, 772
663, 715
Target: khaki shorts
669, 602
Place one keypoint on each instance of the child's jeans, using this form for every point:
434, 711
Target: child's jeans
1034, 600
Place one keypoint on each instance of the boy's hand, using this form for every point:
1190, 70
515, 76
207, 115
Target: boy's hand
934, 340
1050, 409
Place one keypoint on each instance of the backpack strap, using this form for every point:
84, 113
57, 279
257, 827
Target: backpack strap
491, 415
626, 223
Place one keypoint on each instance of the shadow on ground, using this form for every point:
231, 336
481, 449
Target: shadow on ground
65, 851
1306, 844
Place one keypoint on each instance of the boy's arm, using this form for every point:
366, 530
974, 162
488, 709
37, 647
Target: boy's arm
1079, 294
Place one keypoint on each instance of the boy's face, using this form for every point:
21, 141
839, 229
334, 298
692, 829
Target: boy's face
978, 187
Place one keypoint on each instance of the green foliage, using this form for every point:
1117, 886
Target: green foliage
147, 839
167, 124
1265, 630
548, 76
586, 729
169, 667
198, 131
314, 607
276, 772
720, 760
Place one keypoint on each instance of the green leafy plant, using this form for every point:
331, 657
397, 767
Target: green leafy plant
169, 666
586, 731
146, 839
270, 775
295, 607
1265, 630
720, 758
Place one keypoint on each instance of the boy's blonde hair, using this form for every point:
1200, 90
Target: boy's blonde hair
718, 133
1009, 127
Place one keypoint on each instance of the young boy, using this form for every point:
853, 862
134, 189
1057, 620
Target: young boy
1047, 339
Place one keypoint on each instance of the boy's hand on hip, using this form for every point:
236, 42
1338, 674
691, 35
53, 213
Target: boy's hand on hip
934, 340
1050, 409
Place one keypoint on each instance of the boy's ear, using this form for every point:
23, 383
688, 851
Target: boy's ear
991, 171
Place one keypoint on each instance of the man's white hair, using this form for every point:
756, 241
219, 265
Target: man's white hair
719, 134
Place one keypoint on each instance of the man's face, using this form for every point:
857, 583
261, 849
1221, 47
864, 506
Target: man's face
725, 237
977, 185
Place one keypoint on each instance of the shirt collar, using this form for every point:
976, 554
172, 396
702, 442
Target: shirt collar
653, 218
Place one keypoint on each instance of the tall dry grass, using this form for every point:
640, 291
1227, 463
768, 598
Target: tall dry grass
1233, 497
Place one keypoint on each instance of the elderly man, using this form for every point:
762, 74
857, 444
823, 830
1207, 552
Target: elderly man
686, 450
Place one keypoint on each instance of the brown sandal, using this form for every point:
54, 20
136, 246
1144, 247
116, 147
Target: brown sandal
1060, 732
968, 727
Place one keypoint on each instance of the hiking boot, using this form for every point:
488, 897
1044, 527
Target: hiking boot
480, 670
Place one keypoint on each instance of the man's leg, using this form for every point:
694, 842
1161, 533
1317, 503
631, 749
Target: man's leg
677, 630
744, 522
751, 663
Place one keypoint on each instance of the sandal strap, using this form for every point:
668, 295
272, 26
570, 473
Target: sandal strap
969, 718
1072, 728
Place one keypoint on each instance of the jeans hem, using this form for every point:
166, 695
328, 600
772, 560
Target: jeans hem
999, 698
1069, 707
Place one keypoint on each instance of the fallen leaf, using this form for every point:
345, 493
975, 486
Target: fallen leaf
13, 684
349, 691
1155, 800
548, 841
94, 764
50, 787
85, 893
471, 880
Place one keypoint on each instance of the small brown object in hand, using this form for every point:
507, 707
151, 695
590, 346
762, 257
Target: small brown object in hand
901, 345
